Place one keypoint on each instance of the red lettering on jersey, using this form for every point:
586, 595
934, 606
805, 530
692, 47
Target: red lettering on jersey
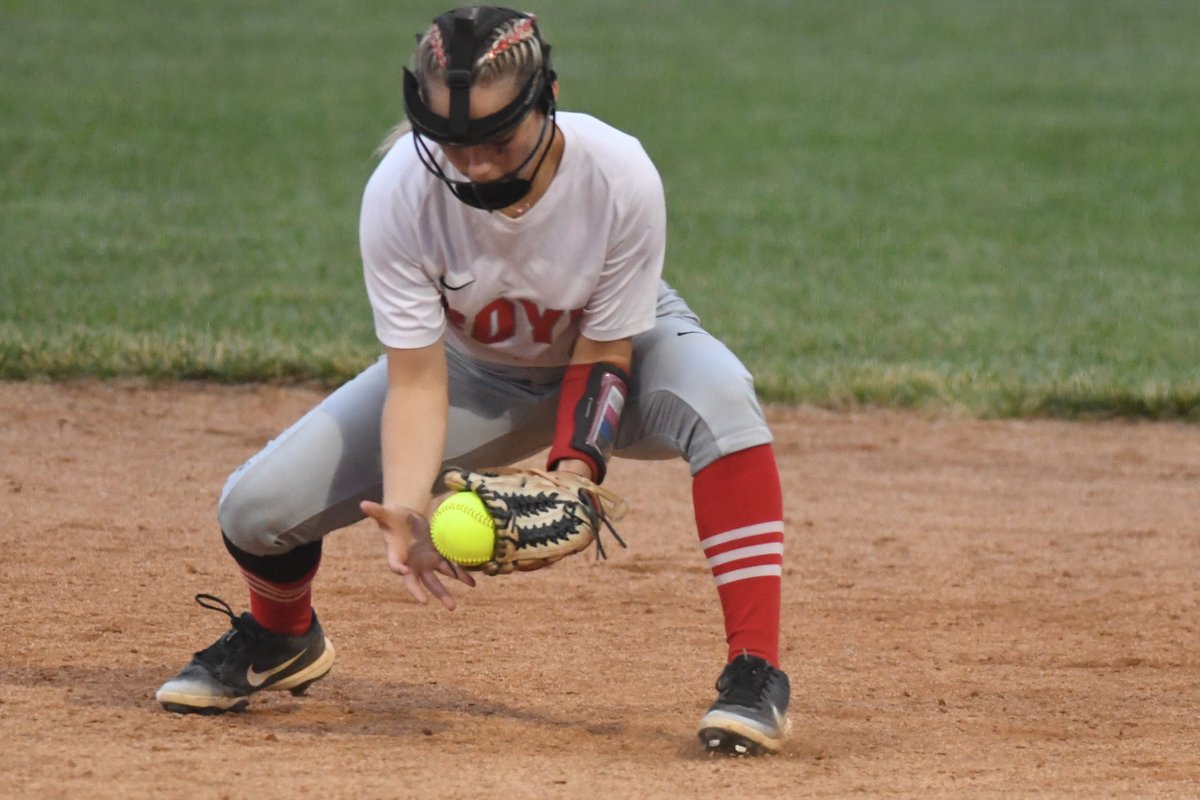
543, 321
495, 322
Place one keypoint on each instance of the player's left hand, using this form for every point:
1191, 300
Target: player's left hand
540, 517
411, 554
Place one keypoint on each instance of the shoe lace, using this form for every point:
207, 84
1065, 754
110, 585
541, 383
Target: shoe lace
744, 681
237, 639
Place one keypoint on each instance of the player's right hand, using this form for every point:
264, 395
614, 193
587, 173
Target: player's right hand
411, 554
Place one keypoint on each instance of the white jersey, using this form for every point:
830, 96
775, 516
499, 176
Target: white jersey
586, 259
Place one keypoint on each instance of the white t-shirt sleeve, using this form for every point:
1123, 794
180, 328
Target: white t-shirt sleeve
404, 299
624, 301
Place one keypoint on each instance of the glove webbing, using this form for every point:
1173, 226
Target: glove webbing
560, 529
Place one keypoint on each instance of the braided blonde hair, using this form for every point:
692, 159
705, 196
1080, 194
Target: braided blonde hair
511, 51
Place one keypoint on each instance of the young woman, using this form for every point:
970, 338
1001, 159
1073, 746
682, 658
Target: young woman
513, 257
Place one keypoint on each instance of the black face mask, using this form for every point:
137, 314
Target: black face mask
465, 30
502, 192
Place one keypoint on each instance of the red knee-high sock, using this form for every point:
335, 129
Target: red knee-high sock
281, 607
739, 514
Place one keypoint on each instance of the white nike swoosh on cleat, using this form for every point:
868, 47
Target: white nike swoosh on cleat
257, 679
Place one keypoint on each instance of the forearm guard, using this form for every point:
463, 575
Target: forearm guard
589, 414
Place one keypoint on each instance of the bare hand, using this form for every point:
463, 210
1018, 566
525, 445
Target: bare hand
411, 554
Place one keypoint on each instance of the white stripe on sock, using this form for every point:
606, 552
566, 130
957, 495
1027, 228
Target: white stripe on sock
742, 533
272, 592
770, 549
766, 570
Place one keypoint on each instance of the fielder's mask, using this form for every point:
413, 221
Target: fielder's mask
467, 29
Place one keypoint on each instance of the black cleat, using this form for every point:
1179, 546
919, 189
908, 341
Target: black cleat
749, 717
247, 659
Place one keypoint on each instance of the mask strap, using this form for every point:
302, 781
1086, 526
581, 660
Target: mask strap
428, 160
458, 76
552, 123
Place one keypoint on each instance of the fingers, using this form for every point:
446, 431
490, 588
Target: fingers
397, 536
465, 577
420, 585
413, 586
457, 572
434, 584
375, 512
396, 551
421, 578
423, 584
396, 565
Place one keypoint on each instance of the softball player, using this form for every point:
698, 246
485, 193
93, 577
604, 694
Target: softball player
513, 256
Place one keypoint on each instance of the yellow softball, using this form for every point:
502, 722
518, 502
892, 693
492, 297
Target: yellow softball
463, 531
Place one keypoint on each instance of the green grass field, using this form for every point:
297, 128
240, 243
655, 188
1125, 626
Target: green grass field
990, 208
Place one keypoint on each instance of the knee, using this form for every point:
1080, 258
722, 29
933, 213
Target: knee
250, 518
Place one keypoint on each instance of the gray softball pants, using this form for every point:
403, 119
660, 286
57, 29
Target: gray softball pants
690, 397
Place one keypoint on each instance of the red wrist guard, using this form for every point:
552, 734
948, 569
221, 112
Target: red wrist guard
589, 411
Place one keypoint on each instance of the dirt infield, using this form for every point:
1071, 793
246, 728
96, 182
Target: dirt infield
971, 609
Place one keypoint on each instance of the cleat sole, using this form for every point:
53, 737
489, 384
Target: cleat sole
721, 731
732, 743
207, 711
